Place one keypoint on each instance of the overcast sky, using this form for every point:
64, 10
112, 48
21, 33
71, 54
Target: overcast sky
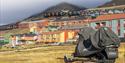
16, 10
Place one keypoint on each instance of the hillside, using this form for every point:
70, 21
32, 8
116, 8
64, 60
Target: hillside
113, 3
7, 33
63, 6
56, 8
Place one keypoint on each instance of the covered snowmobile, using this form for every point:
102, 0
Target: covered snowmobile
101, 45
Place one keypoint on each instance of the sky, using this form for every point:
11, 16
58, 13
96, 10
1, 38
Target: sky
16, 10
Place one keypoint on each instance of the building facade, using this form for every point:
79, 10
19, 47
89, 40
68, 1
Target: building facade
67, 23
57, 36
114, 21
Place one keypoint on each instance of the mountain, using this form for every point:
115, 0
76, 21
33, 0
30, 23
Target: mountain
63, 6
113, 3
56, 8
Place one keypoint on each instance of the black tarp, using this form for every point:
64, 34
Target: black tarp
91, 41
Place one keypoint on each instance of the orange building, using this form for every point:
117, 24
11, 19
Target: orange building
57, 36
27, 37
36, 26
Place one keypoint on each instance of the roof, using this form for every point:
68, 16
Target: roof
109, 17
26, 35
56, 32
2, 38
70, 19
28, 38
49, 33
73, 27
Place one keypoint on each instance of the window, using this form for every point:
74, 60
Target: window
74, 22
118, 32
97, 25
79, 22
103, 23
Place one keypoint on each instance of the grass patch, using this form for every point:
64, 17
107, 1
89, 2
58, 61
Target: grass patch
48, 54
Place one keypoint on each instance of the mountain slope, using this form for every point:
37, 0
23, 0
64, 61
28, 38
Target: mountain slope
63, 6
56, 8
113, 3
